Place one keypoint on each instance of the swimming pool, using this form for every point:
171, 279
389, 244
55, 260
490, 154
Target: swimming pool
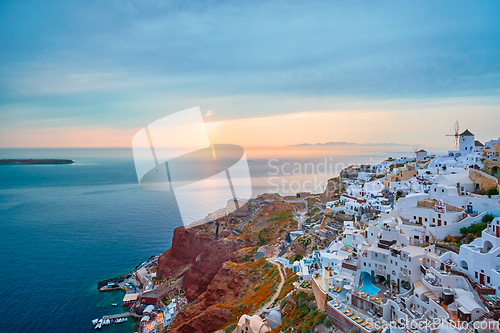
367, 284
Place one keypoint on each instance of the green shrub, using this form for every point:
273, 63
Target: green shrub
491, 191
229, 328
487, 218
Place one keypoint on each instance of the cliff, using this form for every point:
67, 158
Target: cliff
221, 279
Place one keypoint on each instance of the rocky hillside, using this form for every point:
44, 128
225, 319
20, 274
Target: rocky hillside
220, 277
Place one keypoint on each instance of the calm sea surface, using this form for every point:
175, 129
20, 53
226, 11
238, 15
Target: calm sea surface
63, 228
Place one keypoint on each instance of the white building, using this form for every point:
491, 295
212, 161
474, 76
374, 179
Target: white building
481, 258
252, 324
421, 155
466, 142
489, 144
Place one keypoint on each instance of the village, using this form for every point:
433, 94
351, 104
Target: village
408, 244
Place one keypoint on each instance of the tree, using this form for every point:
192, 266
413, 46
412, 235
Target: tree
297, 257
487, 218
491, 191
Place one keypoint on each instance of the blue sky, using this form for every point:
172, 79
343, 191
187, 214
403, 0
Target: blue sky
122, 64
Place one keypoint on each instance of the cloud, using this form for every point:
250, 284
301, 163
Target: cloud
123, 64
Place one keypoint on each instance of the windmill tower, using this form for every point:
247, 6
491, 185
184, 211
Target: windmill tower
456, 135
415, 151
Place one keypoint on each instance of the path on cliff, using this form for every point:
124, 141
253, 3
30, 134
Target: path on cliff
302, 215
278, 291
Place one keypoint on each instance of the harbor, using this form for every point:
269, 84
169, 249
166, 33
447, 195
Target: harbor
112, 319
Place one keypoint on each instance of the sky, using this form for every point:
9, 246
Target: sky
92, 73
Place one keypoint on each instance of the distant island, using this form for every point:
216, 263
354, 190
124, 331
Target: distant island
34, 161
347, 144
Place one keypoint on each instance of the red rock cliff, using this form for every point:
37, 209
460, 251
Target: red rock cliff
205, 255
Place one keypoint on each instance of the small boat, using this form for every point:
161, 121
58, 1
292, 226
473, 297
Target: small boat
98, 326
114, 304
95, 321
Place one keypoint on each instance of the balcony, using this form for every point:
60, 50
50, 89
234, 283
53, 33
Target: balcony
404, 277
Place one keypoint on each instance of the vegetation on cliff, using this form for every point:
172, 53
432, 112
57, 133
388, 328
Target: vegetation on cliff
301, 313
221, 277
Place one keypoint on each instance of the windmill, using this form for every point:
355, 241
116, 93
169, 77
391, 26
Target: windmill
456, 135
415, 151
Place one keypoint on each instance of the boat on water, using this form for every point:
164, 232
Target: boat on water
114, 304
98, 326
95, 321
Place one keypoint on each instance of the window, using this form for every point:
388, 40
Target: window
445, 223
488, 279
439, 216
391, 261
414, 217
434, 219
476, 275
409, 258
364, 263
369, 265
376, 254
426, 219
409, 272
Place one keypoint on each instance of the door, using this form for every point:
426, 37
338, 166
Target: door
481, 278
439, 223
420, 219
498, 231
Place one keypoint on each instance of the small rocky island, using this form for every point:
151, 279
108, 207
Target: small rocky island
34, 161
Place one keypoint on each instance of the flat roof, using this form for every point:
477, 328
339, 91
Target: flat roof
375, 248
413, 250
130, 297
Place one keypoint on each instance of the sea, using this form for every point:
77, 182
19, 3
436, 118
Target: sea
64, 228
